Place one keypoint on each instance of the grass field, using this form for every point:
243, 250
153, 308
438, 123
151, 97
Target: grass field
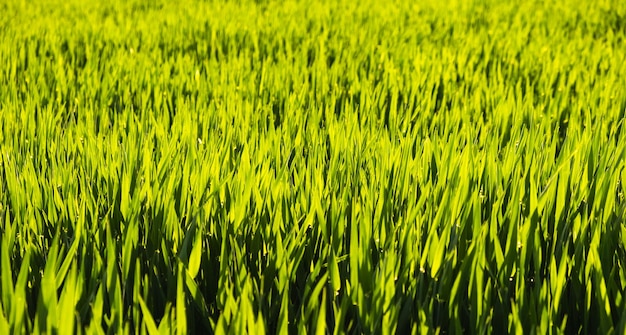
312, 167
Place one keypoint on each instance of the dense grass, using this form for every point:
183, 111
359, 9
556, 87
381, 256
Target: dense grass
328, 167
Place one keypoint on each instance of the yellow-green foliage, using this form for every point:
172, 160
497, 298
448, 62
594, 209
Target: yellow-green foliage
371, 167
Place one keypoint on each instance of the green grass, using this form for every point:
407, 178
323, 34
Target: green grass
312, 167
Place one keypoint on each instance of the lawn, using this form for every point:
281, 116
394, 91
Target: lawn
273, 167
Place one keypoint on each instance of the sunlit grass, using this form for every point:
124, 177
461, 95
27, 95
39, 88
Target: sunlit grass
327, 167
